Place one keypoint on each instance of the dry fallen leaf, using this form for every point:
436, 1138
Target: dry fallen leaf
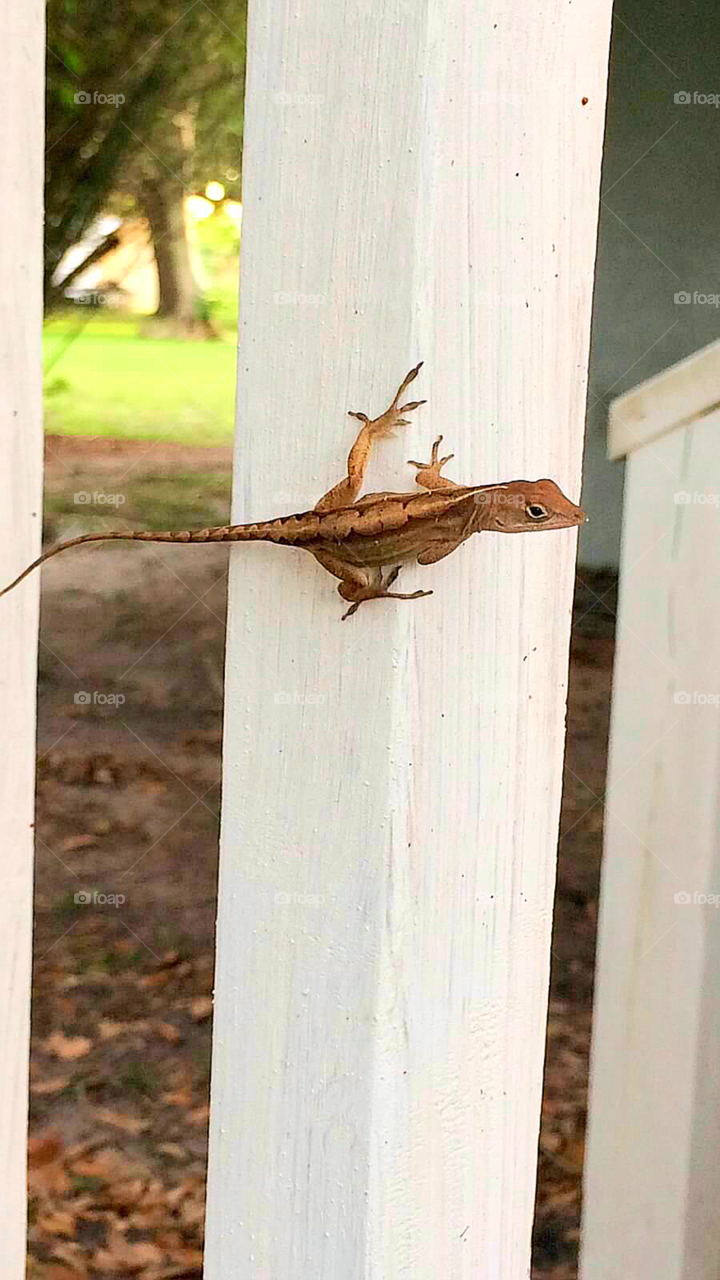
44, 1150
168, 1032
128, 1124
53, 1084
150, 980
57, 1222
201, 1007
131, 1258
58, 1271
78, 842
46, 1171
199, 1115
68, 1048
177, 1098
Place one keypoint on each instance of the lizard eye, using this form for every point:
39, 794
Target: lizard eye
536, 511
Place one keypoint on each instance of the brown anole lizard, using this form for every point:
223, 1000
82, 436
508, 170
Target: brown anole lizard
356, 538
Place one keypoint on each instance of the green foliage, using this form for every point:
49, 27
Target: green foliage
180, 73
218, 236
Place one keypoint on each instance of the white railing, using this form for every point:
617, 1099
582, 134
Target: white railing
652, 1184
427, 174
22, 102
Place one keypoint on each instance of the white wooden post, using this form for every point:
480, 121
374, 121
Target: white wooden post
422, 182
653, 1175
22, 101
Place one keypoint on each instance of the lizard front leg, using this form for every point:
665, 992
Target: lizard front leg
428, 473
359, 584
345, 493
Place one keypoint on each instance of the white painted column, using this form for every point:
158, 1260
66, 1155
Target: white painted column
652, 1183
22, 102
421, 182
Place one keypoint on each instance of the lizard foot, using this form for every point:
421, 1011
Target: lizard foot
361, 594
391, 418
428, 473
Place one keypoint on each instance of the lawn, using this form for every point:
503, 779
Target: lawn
108, 381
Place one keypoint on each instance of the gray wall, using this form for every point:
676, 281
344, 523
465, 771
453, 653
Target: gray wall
668, 198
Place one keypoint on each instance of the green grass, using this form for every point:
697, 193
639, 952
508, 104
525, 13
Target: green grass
183, 500
111, 382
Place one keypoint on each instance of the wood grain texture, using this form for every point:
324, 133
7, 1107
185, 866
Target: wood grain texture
21, 146
652, 1173
421, 181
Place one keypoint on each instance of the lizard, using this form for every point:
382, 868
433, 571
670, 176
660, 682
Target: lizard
356, 539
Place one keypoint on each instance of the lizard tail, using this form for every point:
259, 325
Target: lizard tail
137, 536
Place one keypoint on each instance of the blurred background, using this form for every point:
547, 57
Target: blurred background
144, 218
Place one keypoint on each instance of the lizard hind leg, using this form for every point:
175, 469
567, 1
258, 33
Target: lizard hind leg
378, 592
345, 493
358, 583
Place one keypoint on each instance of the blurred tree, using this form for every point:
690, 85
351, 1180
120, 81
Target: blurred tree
180, 73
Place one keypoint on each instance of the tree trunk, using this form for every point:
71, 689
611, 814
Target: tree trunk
180, 312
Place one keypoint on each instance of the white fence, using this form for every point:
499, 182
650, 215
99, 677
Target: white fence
22, 102
653, 1174
427, 174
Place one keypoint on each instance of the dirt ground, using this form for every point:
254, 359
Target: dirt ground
128, 804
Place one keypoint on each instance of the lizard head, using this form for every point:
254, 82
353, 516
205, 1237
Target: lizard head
523, 505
